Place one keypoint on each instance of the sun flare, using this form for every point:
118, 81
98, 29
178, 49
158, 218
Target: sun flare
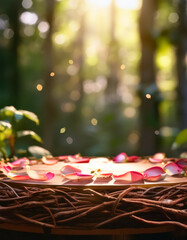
124, 4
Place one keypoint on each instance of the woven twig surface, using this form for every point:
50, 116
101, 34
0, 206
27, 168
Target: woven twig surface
87, 208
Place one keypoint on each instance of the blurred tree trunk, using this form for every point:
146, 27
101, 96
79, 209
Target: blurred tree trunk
182, 62
49, 111
79, 58
148, 108
13, 13
78, 126
113, 61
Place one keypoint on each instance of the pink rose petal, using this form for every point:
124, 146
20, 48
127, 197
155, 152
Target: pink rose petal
78, 176
131, 176
78, 159
50, 175
17, 177
39, 176
132, 158
104, 175
6, 169
20, 163
182, 163
156, 158
49, 161
122, 157
99, 160
172, 169
68, 169
154, 174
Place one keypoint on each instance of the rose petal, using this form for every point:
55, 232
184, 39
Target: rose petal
182, 163
154, 174
132, 158
98, 160
78, 176
20, 162
131, 176
78, 159
156, 158
6, 169
49, 161
172, 169
103, 175
50, 175
39, 176
120, 157
16, 176
36, 176
68, 169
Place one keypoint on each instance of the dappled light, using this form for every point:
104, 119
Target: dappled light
104, 76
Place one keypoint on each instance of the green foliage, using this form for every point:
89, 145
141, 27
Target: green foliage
38, 152
180, 139
11, 114
10, 118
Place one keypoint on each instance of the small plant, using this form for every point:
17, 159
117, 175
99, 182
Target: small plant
180, 143
11, 130
181, 139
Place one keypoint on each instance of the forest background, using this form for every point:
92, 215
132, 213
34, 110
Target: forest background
103, 76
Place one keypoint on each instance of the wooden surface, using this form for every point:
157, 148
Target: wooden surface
108, 183
74, 231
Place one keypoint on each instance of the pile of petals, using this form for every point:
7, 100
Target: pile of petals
69, 172
9, 170
152, 174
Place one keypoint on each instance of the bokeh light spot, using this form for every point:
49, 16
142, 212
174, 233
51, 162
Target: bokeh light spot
148, 96
8, 33
122, 66
39, 87
52, 74
70, 61
129, 112
62, 130
27, 4
94, 121
43, 26
69, 140
133, 138
72, 70
173, 17
75, 95
68, 107
60, 39
157, 132
29, 18
29, 31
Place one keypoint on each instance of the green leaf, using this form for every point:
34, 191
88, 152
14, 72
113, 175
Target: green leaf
4, 125
38, 152
29, 133
180, 139
5, 130
30, 115
7, 111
